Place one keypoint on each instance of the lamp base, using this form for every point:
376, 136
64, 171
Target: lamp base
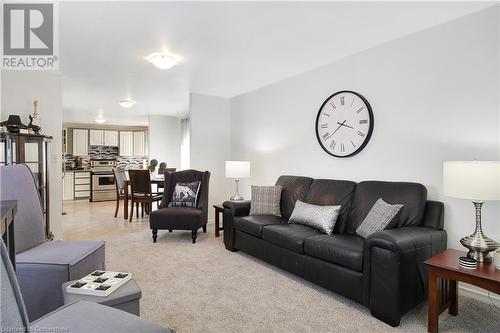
479, 246
236, 197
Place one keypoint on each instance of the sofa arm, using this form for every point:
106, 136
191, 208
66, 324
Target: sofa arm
232, 209
238, 208
395, 278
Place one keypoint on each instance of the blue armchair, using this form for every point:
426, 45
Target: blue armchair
42, 266
78, 317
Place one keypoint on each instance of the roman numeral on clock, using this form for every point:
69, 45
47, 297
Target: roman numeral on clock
360, 109
361, 134
324, 125
363, 121
325, 136
342, 147
333, 144
333, 105
342, 100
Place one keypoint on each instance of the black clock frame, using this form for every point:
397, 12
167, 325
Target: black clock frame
370, 130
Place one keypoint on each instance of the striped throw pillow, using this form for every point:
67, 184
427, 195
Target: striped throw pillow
381, 216
266, 200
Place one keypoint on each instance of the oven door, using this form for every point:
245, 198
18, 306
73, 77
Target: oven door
103, 182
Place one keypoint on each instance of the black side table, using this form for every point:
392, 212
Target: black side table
218, 209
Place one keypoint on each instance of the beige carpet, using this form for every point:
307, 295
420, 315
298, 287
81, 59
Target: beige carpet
204, 288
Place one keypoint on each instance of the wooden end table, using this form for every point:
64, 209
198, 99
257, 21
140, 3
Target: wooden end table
444, 273
218, 209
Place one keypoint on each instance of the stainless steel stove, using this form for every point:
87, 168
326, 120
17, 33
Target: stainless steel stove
103, 186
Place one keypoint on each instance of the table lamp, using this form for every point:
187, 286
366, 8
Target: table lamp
477, 181
237, 170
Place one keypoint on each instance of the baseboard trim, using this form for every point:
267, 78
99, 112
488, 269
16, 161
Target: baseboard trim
480, 295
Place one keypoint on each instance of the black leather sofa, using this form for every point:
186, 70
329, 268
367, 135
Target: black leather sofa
384, 272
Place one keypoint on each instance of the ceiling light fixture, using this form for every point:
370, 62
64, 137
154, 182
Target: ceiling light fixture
127, 103
100, 120
161, 60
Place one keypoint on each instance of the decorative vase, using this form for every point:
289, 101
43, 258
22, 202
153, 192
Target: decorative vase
35, 120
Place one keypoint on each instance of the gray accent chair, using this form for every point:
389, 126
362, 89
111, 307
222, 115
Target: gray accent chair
78, 317
42, 266
182, 218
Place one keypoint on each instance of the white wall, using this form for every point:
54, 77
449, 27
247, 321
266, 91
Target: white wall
435, 97
165, 140
210, 147
19, 90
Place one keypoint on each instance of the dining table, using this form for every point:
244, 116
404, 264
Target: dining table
154, 180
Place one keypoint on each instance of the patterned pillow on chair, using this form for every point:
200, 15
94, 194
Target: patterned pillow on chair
185, 195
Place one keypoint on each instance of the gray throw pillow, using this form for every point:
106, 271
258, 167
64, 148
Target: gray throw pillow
266, 200
322, 218
381, 216
185, 195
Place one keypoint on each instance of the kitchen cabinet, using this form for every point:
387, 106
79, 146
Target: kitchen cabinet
82, 185
111, 138
68, 186
96, 137
139, 144
126, 143
80, 142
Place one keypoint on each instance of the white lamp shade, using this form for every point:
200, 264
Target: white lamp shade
237, 169
474, 180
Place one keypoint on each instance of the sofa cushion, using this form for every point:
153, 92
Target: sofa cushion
331, 192
344, 250
288, 236
253, 224
412, 196
176, 218
84, 317
294, 188
72, 254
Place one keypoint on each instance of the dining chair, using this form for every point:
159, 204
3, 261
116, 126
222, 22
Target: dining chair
141, 193
119, 174
167, 170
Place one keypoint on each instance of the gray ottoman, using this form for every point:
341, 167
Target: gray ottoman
125, 298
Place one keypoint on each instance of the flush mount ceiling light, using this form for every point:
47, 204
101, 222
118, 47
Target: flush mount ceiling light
127, 103
100, 120
161, 60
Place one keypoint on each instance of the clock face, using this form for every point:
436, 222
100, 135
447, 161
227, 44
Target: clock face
344, 124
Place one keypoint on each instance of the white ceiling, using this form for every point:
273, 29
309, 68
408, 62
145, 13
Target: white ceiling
225, 48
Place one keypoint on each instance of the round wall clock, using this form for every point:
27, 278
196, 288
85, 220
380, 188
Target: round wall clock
344, 124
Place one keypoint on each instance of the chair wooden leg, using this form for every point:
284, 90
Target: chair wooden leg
205, 229
117, 206
169, 230
155, 235
142, 209
137, 210
194, 233
131, 211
